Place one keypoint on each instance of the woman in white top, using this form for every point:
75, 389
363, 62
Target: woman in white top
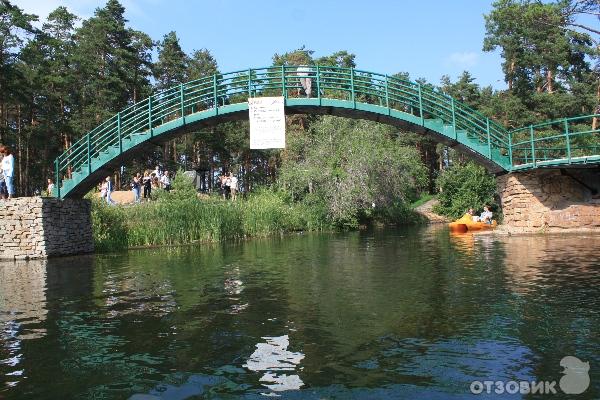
50, 188
233, 184
8, 168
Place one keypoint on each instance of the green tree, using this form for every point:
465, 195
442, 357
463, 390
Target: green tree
201, 64
539, 51
356, 167
464, 186
106, 58
172, 64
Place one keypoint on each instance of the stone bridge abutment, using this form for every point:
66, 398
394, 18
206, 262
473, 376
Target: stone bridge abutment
550, 200
37, 227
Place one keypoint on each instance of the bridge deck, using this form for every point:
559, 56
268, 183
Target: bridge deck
338, 91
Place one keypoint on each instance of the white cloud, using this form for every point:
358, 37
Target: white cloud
463, 60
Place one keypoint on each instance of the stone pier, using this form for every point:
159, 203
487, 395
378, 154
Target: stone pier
550, 200
36, 227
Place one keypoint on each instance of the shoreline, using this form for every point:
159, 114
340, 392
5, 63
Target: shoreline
506, 230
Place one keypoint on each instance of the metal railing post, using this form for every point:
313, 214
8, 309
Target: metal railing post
318, 84
182, 102
150, 116
489, 142
119, 132
249, 82
57, 176
532, 145
568, 140
352, 94
421, 105
510, 156
89, 153
215, 98
454, 119
387, 96
283, 91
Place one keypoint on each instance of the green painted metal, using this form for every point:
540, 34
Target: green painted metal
551, 144
567, 141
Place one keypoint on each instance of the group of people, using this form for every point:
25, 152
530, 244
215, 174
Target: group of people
485, 216
229, 186
151, 180
7, 169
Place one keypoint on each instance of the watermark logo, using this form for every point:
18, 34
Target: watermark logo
576, 380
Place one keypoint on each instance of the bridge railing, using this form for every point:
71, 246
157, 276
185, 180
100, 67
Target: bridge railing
328, 83
563, 141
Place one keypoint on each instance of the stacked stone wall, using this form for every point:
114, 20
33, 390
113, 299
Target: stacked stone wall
547, 201
35, 227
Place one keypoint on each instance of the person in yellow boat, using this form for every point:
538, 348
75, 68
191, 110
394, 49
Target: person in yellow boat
486, 215
468, 218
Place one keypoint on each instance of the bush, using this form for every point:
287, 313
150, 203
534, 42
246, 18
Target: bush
464, 186
108, 225
345, 166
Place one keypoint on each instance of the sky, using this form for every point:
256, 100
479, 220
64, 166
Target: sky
426, 38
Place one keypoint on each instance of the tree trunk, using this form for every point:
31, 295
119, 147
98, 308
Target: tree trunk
549, 81
511, 75
538, 81
19, 144
597, 110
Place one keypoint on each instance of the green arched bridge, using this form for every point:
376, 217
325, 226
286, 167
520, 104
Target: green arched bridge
345, 92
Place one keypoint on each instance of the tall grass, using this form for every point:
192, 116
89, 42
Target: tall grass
172, 221
180, 217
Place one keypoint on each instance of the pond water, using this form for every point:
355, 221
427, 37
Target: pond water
390, 314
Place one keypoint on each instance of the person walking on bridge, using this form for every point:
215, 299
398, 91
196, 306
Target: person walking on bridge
8, 168
303, 72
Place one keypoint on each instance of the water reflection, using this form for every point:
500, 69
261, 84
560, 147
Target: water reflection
384, 314
274, 359
23, 299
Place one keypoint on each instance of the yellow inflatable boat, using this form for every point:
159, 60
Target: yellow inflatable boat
466, 223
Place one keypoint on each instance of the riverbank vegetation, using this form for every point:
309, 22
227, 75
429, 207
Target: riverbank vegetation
465, 186
182, 217
64, 77
190, 220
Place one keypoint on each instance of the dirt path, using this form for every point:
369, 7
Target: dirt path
433, 218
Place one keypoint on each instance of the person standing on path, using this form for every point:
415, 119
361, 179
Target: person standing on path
3, 192
50, 188
223, 181
166, 181
147, 182
8, 169
136, 187
109, 190
233, 185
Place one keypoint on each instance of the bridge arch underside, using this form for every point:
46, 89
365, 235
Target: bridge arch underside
145, 142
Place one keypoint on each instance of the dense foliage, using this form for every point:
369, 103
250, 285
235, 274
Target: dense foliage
356, 168
465, 186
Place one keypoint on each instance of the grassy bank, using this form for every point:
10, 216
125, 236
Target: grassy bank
188, 220
180, 217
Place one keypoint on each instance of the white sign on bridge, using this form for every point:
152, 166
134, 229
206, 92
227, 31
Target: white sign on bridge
267, 122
